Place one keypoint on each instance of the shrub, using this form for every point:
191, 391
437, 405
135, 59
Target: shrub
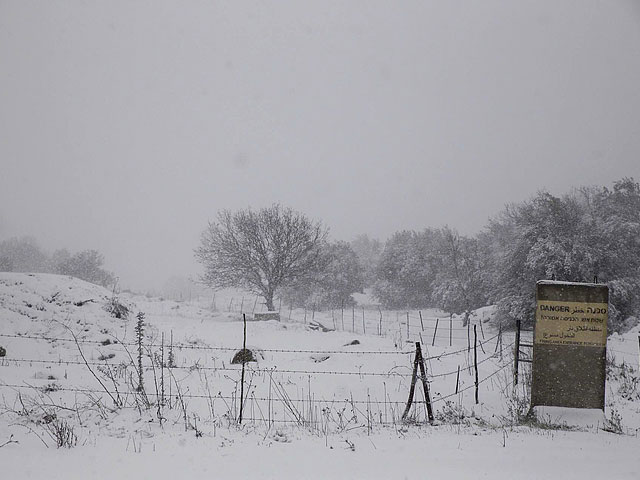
116, 308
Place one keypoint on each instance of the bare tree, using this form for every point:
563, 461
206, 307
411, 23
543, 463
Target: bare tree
260, 251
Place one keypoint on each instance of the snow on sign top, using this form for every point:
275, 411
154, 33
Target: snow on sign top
558, 282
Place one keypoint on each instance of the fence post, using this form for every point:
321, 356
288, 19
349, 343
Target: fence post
170, 361
425, 385
421, 324
419, 362
364, 329
458, 380
412, 388
353, 319
244, 348
162, 370
475, 358
516, 353
435, 330
450, 328
408, 335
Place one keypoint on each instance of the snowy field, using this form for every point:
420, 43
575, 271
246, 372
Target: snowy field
324, 399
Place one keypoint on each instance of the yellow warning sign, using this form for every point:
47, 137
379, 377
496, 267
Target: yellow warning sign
571, 323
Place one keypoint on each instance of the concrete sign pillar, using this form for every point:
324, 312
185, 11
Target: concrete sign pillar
569, 345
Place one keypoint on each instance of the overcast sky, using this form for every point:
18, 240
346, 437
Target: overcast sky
126, 125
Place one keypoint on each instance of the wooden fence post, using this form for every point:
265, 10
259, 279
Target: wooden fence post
162, 370
408, 335
419, 363
353, 319
516, 354
475, 358
244, 348
435, 330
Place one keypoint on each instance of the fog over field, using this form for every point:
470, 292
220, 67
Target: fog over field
127, 125
331, 239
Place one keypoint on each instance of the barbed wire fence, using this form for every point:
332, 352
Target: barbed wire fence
274, 395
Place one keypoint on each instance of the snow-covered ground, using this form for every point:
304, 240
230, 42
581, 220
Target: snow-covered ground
318, 404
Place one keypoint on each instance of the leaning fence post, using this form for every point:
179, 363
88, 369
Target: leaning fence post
412, 388
419, 362
450, 328
458, 380
421, 324
435, 330
425, 386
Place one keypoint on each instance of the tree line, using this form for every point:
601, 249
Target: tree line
24, 254
591, 234
588, 234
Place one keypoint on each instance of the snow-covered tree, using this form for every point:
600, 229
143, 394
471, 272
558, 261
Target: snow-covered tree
460, 285
23, 254
86, 265
407, 269
338, 276
260, 251
368, 251
588, 233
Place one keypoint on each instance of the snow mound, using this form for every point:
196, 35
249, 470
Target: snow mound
37, 303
